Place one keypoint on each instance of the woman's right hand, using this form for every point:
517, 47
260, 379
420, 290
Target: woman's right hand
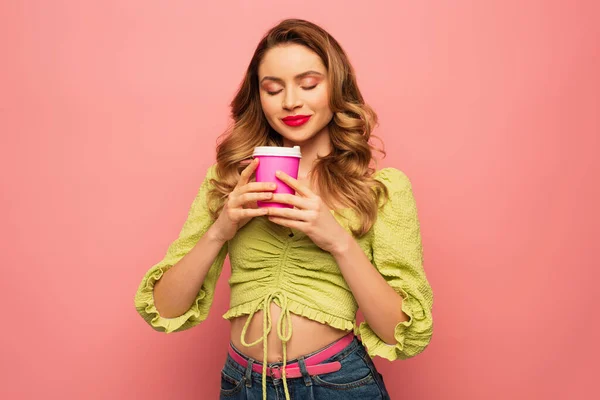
240, 206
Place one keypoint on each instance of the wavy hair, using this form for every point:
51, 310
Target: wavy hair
345, 175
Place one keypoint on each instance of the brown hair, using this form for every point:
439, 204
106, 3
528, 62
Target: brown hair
343, 176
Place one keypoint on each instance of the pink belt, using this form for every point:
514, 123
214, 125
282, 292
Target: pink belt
313, 363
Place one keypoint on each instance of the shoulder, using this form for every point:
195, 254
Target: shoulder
394, 179
397, 216
211, 170
209, 179
401, 200
211, 173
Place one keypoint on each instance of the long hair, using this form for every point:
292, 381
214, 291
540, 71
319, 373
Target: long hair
345, 175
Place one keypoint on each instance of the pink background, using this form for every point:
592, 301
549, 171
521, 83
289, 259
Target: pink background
109, 111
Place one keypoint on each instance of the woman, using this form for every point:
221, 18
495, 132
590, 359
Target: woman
351, 240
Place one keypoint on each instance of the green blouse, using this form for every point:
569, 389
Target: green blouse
269, 265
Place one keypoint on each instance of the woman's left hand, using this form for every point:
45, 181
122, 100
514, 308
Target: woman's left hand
311, 215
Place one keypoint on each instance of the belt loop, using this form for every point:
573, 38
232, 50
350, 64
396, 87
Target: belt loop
248, 374
305, 375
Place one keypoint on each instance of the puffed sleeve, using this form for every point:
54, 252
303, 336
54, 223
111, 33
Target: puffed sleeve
398, 255
196, 224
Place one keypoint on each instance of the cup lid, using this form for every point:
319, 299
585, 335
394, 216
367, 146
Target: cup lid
277, 151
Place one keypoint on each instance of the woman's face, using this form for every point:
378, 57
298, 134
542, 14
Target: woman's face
293, 82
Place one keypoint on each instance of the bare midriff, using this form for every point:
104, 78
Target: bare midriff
307, 336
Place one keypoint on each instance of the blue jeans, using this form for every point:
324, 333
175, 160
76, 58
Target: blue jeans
357, 379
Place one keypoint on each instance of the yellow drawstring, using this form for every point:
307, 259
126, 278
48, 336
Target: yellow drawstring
267, 325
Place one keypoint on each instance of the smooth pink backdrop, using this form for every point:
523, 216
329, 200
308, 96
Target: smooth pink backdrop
109, 112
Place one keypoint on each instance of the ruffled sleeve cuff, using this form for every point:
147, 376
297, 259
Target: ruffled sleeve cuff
412, 336
144, 303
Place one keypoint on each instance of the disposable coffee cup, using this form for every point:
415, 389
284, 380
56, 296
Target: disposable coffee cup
272, 159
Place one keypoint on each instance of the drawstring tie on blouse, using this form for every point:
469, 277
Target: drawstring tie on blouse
283, 333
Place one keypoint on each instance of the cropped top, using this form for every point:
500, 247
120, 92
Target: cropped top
270, 265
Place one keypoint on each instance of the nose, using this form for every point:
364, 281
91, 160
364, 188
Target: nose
291, 100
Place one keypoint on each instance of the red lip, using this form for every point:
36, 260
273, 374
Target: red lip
296, 120
293, 117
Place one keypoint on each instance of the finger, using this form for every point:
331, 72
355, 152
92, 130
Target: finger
257, 187
247, 173
296, 201
248, 198
294, 184
288, 213
251, 212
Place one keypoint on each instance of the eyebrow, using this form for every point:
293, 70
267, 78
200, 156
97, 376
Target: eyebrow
297, 77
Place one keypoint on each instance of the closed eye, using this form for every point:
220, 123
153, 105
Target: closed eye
279, 91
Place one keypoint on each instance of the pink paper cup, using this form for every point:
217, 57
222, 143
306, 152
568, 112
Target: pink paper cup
272, 159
